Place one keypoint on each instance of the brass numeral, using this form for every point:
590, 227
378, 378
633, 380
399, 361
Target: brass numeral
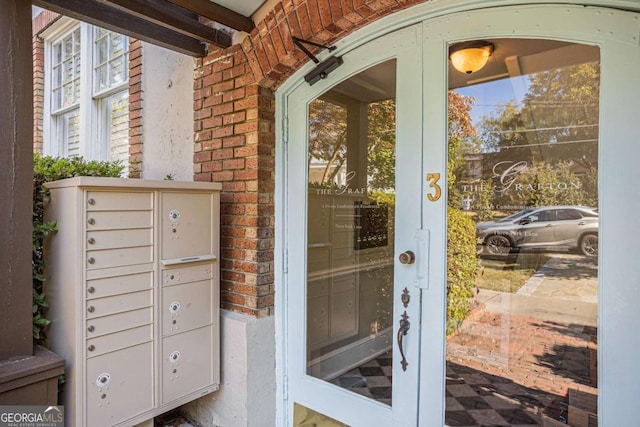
432, 179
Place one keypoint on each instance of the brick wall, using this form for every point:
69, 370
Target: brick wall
38, 93
234, 145
41, 22
235, 132
135, 108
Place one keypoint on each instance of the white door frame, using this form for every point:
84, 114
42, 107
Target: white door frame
339, 403
617, 34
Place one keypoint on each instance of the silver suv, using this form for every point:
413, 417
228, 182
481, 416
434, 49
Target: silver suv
549, 228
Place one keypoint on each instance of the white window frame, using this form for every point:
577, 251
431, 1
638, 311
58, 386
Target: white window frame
94, 134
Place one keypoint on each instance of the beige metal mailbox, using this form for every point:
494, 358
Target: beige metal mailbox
133, 284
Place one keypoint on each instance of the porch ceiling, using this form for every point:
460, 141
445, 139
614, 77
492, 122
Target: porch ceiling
173, 24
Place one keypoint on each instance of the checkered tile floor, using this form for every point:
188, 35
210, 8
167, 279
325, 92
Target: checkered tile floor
373, 379
473, 399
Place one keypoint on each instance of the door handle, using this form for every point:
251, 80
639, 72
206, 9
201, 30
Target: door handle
402, 332
407, 257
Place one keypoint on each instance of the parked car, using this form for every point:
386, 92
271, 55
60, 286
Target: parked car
548, 228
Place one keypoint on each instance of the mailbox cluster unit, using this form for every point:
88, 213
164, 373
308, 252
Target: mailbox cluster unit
133, 287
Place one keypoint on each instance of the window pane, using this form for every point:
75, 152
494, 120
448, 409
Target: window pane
100, 32
57, 76
102, 53
57, 99
68, 46
111, 51
118, 118
68, 70
117, 71
350, 233
57, 53
522, 317
67, 94
117, 44
68, 133
101, 78
76, 90
76, 38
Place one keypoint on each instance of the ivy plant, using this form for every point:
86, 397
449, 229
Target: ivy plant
47, 169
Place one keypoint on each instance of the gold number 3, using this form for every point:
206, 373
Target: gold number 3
432, 179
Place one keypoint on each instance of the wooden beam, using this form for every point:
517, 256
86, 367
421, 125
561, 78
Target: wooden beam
173, 17
95, 13
218, 13
16, 175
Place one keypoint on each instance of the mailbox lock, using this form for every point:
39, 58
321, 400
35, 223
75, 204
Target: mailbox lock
174, 215
91, 201
174, 356
91, 328
91, 347
174, 307
103, 380
91, 260
91, 221
91, 240
91, 309
91, 289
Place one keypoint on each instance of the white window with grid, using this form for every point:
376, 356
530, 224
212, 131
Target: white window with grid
65, 92
86, 92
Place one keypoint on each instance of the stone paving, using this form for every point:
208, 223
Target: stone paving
527, 350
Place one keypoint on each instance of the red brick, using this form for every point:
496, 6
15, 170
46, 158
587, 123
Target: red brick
225, 153
246, 127
246, 174
234, 187
211, 100
204, 156
223, 109
234, 118
246, 103
234, 72
212, 79
213, 166
233, 164
233, 141
223, 131
233, 95
212, 122
222, 176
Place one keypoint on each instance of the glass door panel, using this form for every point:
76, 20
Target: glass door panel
522, 261
350, 233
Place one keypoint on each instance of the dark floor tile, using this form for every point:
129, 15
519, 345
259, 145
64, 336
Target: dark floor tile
350, 382
515, 416
473, 402
483, 389
459, 419
381, 392
371, 371
384, 361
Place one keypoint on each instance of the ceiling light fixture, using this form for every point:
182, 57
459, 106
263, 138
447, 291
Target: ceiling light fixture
469, 57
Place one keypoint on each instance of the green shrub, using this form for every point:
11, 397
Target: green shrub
461, 266
46, 169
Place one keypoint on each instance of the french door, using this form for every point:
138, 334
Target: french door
442, 229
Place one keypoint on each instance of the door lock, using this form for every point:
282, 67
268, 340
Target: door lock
407, 257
